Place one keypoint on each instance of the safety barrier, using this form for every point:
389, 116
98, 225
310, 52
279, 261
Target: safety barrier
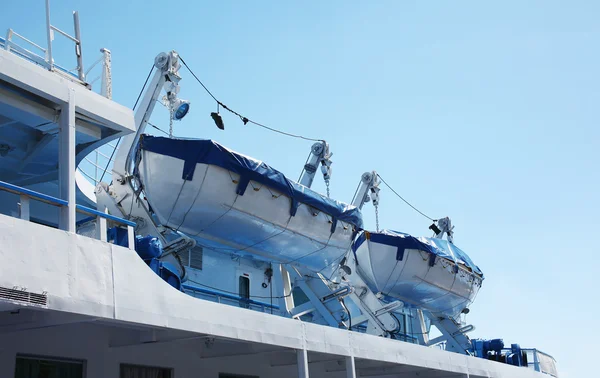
26, 195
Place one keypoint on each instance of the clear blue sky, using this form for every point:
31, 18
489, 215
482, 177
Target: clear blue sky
487, 113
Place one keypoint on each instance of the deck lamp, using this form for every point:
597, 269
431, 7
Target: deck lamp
218, 120
217, 117
180, 109
436, 230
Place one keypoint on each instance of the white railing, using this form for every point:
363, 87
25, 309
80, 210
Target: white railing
46, 59
97, 166
101, 219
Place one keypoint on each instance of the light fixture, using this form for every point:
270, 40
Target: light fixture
180, 109
436, 230
218, 120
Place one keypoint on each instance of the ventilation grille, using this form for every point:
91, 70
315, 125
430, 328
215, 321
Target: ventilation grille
185, 257
196, 257
23, 296
192, 258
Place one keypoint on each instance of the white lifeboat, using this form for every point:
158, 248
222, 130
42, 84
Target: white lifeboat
233, 203
429, 273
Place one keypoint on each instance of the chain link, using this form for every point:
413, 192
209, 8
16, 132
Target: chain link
377, 217
171, 122
327, 186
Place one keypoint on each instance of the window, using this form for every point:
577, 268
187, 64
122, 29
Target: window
244, 283
136, 371
44, 367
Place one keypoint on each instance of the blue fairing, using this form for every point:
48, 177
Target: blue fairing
435, 246
194, 151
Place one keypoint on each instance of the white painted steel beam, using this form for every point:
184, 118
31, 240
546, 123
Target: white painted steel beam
350, 367
311, 361
231, 354
302, 355
66, 164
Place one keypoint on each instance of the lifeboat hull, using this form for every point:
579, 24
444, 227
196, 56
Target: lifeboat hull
232, 203
428, 273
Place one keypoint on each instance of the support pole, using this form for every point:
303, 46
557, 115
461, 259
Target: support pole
106, 89
66, 163
350, 368
101, 229
131, 238
78, 47
282, 283
302, 355
24, 207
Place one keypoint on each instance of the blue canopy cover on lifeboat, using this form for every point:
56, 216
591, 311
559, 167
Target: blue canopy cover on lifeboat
205, 151
435, 246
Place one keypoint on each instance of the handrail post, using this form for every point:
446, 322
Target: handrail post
8, 39
536, 361
101, 228
49, 34
131, 237
24, 207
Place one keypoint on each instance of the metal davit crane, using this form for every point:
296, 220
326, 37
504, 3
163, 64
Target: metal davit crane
349, 295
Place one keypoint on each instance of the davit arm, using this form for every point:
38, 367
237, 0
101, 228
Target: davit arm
122, 196
319, 153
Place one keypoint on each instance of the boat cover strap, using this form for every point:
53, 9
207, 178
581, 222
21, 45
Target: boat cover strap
435, 246
205, 151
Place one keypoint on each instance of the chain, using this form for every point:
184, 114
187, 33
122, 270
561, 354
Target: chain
327, 186
377, 217
171, 122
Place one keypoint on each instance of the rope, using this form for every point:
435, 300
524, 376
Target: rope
405, 201
244, 119
109, 160
157, 128
144, 86
134, 105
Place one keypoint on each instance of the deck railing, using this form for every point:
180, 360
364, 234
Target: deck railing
42, 56
26, 195
542, 362
229, 299
97, 166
